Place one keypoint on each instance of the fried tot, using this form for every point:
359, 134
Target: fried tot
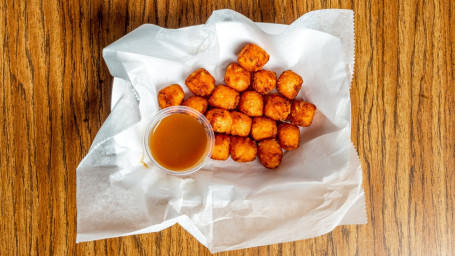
263, 128
251, 103
224, 97
252, 57
241, 124
288, 136
237, 77
221, 147
270, 153
200, 82
243, 149
198, 103
277, 107
289, 84
220, 120
302, 113
264, 81
171, 95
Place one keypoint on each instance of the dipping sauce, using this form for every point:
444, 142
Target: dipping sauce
178, 142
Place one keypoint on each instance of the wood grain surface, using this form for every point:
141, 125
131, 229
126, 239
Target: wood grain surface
55, 95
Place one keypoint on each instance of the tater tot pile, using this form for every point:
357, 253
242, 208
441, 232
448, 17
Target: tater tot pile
254, 115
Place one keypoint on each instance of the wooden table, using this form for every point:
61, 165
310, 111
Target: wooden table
55, 94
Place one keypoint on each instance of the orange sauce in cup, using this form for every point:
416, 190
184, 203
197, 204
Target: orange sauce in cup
178, 142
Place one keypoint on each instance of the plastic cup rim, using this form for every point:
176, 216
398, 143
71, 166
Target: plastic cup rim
160, 115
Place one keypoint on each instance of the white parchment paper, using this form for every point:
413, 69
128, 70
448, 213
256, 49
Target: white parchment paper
227, 205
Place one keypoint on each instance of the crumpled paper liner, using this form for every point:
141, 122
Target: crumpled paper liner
226, 205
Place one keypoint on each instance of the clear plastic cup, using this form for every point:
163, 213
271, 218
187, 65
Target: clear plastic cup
182, 110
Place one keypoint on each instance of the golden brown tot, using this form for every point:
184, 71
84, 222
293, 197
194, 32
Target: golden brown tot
252, 57
243, 149
270, 153
224, 97
196, 102
289, 84
241, 124
200, 82
277, 107
264, 81
221, 147
288, 136
237, 77
220, 120
251, 103
302, 113
171, 95
263, 128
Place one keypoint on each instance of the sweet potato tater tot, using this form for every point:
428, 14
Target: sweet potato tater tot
222, 146
237, 77
200, 82
251, 103
263, 128
241, 124
289, 84
270, 153
277, 107
264, 81
198, 103
252, 57
243, 149
171, 95
288, 136
220, 119
302, 113
224, 97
